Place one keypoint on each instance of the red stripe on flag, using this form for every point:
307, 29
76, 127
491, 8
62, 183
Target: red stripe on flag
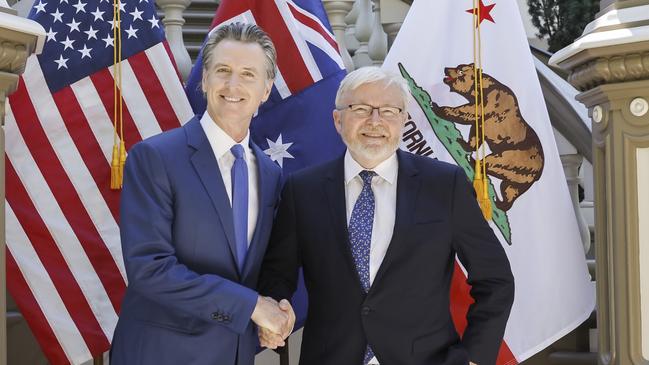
103, 82
229, 9
154, 92
32, 313
289, 59
84, 139
460, 301
54, 263
313, 25
68, 198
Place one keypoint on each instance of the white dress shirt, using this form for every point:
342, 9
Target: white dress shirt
221, 143
384, 186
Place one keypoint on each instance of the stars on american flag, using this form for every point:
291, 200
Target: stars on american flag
80, 32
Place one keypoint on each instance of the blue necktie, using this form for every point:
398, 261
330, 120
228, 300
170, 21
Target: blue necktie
239, 174
360, 236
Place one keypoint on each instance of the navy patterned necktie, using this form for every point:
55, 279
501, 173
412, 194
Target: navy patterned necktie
360, 236
239, 175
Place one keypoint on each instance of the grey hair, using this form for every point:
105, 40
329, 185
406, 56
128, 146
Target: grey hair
370, 74
241, 32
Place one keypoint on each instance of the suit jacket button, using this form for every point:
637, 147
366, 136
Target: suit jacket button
365, 310
217, 316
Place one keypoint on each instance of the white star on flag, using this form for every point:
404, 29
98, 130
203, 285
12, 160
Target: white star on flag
57, 15
136, 14
80, 7
74, 25
108, 40
131, 32
91, 33
51, 35
67, 43
62, 62
98, 14
278, 151
85, 52
40, 7
153, 21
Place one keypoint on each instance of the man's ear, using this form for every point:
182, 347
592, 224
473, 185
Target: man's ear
268, 87
337, 116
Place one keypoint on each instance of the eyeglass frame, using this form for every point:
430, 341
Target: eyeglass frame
377, 108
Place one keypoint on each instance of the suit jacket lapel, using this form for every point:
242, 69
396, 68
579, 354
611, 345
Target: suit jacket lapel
408, 184
335, 190
266, 187
207, 169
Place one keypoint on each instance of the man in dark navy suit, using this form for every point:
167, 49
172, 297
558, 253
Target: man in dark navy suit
196, 213
376, 233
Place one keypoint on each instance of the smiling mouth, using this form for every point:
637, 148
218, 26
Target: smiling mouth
372, 135
231, 99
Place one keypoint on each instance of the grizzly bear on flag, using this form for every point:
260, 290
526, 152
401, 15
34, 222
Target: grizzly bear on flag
516, 156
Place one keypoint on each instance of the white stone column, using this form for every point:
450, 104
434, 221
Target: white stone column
378, 44
392, 29
173, 22
337, 10
350, 33
571, 164
363, 33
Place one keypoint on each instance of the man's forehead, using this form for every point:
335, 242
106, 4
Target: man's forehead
381, 88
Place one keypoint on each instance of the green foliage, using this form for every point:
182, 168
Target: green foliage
562, 21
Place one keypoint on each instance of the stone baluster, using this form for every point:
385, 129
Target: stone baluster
378, 44
363, 33
350, 33
337, 10
391, 29
571, 164
173, 22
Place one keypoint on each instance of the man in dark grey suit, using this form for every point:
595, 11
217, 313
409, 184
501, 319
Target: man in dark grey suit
376, 232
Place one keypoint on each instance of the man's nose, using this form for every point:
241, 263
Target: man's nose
233, 80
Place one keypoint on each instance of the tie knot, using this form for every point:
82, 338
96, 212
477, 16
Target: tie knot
367, 176
237, 151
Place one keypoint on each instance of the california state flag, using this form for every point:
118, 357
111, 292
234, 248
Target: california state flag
531, 211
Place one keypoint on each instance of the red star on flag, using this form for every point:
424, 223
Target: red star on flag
484, 12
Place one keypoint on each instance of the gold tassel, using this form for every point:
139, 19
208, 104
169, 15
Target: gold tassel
115, 175
477, 180
484, 201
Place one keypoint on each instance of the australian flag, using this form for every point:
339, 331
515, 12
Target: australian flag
295, 126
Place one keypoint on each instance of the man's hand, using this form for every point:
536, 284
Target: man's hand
285, 306
273, 339
472, 363
267, 314
269, 339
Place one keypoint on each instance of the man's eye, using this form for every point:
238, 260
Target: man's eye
222, 70
248, 74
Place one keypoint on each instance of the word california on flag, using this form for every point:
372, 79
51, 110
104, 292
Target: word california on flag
524, 193
64, 260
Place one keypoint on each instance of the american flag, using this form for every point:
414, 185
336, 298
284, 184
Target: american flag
294, 127
64, 260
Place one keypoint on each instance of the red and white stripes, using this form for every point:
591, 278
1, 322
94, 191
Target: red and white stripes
64, 263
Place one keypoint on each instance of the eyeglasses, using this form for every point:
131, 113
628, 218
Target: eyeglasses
365, 111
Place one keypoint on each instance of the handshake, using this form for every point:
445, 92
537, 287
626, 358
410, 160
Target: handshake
275, 321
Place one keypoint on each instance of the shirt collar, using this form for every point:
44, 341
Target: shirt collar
387, 169
220, 141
